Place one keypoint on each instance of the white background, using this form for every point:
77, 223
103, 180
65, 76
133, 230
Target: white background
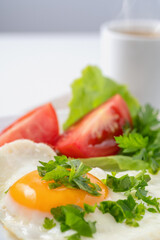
38, 68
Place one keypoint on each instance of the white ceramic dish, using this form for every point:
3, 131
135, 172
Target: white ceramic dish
133, 59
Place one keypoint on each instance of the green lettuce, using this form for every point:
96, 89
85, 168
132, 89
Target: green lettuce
91, 90
116, 163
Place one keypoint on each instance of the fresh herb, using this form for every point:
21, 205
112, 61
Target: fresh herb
127, 210
147, 121
132, 143
48, 223
135, 186
69, 173
89, 208
126, 182
91, 90
143, 142
121, 184
72, 217
142, 194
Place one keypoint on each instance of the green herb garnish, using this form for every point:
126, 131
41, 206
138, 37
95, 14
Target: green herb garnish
127, 210
121, 184
126, 182
89, 208
135, 186
132, 143
143, 142
72, 217
48, 223
142, 194
69, 173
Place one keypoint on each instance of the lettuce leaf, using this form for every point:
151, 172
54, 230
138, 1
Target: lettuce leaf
91, 90
116, 163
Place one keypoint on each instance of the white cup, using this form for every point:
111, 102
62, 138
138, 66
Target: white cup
133, 59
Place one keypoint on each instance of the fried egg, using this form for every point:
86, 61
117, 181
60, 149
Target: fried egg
29, 199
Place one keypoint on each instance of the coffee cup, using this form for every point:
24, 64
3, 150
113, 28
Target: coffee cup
130, 54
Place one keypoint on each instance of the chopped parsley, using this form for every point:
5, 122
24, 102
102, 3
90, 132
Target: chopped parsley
48, 223
127, 210
69, 173
71, 217
126, 182
89, 208
142, 194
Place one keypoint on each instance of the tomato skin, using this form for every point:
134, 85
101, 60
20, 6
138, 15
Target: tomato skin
39, 125
93, 135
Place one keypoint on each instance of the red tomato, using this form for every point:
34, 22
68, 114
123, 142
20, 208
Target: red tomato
93, 135
39, 125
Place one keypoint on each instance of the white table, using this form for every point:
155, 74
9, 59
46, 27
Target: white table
38, 68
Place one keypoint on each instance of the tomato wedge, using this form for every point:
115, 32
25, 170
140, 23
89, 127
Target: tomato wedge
39, 125
93, 135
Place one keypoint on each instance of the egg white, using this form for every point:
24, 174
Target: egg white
22, 156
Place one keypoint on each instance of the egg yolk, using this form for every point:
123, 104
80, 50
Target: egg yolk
34, 193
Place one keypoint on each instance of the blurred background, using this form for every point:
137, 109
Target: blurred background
44, 44
56, 15
70, 15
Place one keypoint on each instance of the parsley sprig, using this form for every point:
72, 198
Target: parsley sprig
143, 141
49, 223
69, 173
